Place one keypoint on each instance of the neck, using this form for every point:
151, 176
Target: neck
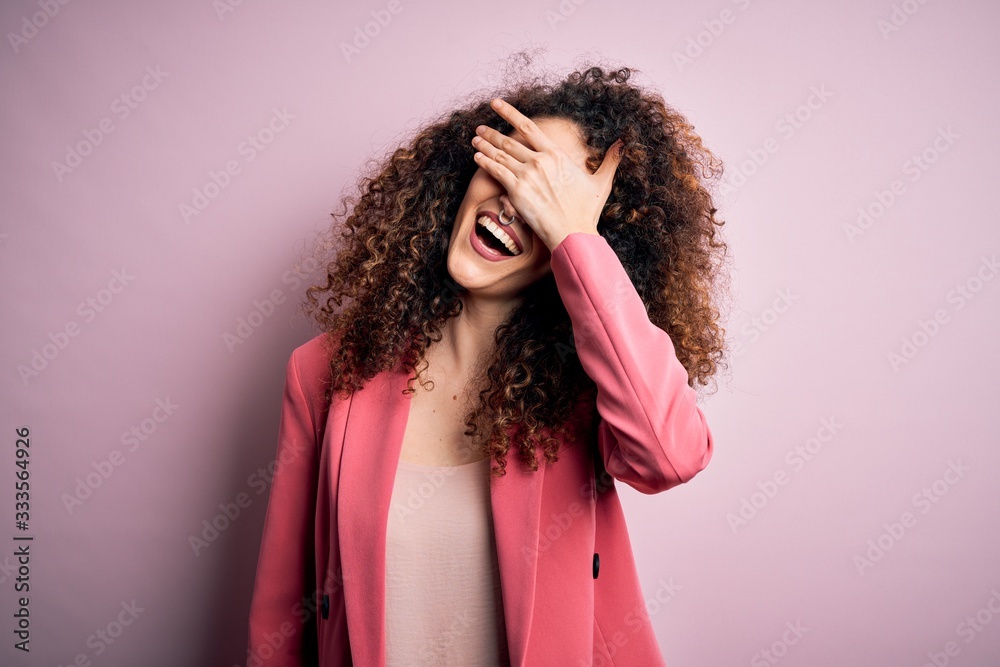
468, 336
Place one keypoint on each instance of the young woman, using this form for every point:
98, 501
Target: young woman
515, 317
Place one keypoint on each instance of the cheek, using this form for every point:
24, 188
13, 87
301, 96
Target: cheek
482, 186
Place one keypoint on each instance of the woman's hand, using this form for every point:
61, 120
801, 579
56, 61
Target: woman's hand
551, 193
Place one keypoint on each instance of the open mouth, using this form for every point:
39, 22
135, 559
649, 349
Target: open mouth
493, 236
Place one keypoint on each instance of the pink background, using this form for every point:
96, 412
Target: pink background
816, 310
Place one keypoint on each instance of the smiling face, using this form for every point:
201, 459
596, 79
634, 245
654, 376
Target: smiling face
496, 273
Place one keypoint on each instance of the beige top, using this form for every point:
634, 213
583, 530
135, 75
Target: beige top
442, 583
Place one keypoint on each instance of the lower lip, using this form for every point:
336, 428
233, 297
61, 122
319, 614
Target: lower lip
484, 251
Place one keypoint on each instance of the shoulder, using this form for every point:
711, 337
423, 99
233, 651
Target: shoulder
310, 364
315, 352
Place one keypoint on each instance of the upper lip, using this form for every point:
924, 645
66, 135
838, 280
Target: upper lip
507, 228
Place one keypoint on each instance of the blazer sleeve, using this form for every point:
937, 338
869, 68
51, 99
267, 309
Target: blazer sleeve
285, 570
651, 433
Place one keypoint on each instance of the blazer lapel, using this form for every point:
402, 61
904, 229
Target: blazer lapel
373, 440
516, 499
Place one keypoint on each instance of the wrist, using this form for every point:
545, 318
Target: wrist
554, 242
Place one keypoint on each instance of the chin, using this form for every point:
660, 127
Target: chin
468, 278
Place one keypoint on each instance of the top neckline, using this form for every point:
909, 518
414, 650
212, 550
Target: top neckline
420, 466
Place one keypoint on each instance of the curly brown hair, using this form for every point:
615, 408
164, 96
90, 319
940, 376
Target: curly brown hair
389, 261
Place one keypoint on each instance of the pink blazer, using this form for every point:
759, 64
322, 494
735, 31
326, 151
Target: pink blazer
570, 590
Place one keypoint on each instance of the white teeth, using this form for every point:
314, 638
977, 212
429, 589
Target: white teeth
504, 238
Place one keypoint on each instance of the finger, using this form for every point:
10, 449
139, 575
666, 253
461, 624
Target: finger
532, 133
493, 142
612, 158
498, 171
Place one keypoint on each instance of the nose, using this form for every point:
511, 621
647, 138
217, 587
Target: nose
507, 212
